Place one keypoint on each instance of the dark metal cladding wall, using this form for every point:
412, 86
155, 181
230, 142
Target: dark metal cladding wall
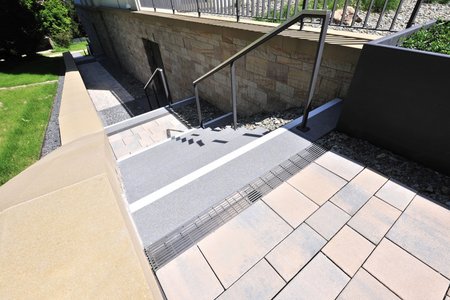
399, 99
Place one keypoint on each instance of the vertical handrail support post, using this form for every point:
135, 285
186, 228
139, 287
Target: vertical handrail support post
234, 94
315, 73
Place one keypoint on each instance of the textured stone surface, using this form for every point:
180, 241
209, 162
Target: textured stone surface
353, 196
405, 275
327, 220
189, 277
374, 219
290, 204
235, 247
364, 286
260, 282
190, 47
348, 249
292, 254
306, 182
339, 165
424, 231
395, 194
320, 279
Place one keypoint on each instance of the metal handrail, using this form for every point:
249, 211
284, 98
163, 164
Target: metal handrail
166, 90
322, 14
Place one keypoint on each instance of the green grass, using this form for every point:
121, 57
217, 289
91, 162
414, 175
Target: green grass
30, 70
73, 47
434, 39
24, 113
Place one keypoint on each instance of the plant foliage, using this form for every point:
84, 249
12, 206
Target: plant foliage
434, 39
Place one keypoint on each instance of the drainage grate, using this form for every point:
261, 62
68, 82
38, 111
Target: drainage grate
175, 243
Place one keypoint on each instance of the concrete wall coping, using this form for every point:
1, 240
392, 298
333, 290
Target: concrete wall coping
64, 227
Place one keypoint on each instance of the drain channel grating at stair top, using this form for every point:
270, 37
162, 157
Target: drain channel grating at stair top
175, 243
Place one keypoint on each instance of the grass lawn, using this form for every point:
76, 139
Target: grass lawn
72, 47
28, 71
24, 113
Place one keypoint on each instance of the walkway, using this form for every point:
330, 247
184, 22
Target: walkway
334, 230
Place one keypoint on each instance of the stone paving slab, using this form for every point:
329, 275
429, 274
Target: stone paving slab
293, 253
235, 247
328, 220
260, 282
189, 277
320, 279
339, 165
404, 274
290, 204
365, 286
358, 192
388, 247
424, 231
374, 219
306, 182
348, 250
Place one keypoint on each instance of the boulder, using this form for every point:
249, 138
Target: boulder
348, 17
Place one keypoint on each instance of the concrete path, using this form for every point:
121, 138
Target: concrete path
334, 230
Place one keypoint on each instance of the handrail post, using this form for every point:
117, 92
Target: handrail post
198, 9
154, 7
173, 8
199, 111
315, 73
237, 10
414, 14
166, 89
234, 94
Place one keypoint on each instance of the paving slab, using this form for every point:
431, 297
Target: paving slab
189, 277
339, 165
358, 191
260, 282
328, 220
424, 231
348, 249
290, 204
396, 195
239, 244
306, 181
374, 219
294, 252
404, 274
365, 286
320, 279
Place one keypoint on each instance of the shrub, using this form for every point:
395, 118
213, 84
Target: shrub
434, 39
379, 4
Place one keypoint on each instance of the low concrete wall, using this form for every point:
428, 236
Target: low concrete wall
399, 100
276, 76
65, 230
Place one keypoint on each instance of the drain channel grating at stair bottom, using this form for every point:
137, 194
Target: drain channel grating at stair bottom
173, 244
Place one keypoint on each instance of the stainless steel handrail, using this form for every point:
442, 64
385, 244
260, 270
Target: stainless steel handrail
166, 90
322, 14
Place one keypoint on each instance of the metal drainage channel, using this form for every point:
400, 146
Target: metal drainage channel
175, 243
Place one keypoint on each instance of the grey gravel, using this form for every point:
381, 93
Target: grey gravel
425, 181
52, 138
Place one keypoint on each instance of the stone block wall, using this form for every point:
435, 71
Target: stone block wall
273, 77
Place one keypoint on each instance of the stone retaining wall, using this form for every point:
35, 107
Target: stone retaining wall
275, 76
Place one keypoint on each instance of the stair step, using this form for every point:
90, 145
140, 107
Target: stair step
151, 170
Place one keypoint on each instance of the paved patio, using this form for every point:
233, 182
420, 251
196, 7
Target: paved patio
334, 230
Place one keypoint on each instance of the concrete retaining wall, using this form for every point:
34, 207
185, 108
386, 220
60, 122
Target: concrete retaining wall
276, 76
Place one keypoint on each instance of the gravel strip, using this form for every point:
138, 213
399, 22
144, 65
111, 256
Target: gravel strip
425, 181
52, 138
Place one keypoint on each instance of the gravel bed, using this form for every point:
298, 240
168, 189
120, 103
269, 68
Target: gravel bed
270, 120
52, 138
425, 181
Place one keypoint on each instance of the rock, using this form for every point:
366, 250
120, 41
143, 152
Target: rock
381, 155
447, 203
429, 189
445, 190
349, 14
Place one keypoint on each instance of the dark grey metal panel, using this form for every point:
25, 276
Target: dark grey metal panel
400, 100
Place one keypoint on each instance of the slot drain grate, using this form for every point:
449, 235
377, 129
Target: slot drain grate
175, 243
